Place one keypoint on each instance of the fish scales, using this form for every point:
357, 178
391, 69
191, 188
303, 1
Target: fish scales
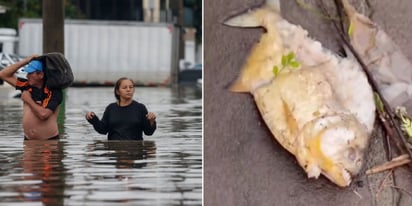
322, 111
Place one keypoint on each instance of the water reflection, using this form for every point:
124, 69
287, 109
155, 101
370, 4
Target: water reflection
83, 168
32, 173
42, 167
123, 154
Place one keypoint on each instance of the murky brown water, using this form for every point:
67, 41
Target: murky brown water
83, 168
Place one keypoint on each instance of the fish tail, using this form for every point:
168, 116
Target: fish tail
255, 17
239, 86
255, 72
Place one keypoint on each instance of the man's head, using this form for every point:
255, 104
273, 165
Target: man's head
34, 66
35, 73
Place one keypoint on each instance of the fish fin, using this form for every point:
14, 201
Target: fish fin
313, 170
290, 119
349, 9
248, 19
254, 17
239, 86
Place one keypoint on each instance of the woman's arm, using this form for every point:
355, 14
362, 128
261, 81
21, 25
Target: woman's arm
149, 122
100, 126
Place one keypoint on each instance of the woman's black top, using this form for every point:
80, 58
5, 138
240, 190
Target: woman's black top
124, 123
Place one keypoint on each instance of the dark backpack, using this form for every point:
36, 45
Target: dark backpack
57, 70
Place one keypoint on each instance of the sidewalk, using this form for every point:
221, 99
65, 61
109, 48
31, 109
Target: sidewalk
243, 164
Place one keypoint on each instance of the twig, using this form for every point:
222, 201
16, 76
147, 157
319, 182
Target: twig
395, 162
375, 87
388, 146
380, 188
372, 11
310, 8
340, 14
357, 193
402, 189
389, 134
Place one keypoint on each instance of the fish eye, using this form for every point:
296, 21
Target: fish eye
351, 154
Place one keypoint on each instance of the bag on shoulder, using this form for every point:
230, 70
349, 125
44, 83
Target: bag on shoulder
57, 70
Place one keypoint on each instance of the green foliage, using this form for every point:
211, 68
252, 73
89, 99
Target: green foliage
407, 127
17, 9
288, 61
378, 102
276, 70
350, 30
71, 11
406, 122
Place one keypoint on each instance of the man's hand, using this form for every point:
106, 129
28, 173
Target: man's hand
36, 108
26, 96
7, 74
29, 58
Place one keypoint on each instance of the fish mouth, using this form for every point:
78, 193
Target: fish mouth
343, 179
347, 176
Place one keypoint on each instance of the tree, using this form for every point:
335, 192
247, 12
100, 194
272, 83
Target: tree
17, 9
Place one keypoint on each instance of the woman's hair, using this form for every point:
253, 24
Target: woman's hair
117, 86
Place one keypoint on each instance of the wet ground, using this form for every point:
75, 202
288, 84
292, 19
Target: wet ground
83, 168
244, 165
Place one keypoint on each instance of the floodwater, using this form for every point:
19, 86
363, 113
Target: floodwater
83, 168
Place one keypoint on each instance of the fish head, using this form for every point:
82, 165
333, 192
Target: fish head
333, 146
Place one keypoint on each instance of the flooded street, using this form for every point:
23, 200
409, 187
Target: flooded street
83, 168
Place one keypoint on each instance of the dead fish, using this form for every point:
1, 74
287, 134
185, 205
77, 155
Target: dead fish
388, 65
317, 105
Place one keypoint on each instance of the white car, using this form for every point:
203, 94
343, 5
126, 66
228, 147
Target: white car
8, 59
6, 90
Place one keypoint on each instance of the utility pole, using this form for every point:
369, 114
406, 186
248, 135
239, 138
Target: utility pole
53, 26
178, 19
178, 13
53, 40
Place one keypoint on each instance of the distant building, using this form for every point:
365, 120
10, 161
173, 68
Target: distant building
147, 11
127, 10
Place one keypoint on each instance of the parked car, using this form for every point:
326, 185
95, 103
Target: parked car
8, 59
191, 75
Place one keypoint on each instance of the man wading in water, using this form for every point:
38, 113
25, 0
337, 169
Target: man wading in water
40, 104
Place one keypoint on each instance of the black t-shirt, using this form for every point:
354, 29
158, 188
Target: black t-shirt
124, 123
47, 98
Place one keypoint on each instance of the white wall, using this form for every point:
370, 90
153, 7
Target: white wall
102, 52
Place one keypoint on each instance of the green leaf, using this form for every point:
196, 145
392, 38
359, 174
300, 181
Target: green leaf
284, 61
294, 64
350, 30
378, 102
290, 57
276, 70
407, 126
